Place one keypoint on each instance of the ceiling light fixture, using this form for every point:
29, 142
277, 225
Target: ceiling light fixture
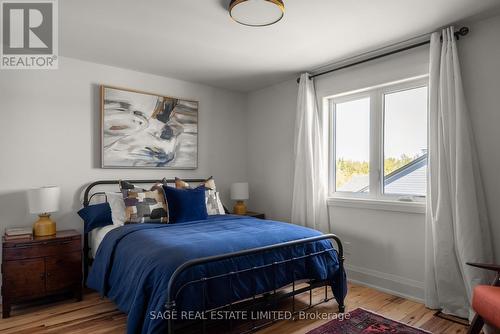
257, 13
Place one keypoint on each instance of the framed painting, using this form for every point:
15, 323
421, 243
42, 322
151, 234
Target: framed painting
144, 130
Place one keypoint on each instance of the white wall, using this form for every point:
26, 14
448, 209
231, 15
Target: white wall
271, 121
480, 61
50, 130
384, 249
49, 134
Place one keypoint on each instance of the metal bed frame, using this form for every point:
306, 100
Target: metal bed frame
267, 299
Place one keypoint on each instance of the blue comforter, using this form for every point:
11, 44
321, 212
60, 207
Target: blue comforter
134, 263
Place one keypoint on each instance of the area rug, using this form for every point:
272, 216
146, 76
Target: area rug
361, 321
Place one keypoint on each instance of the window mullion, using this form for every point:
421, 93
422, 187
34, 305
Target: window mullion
376, 121
331, 147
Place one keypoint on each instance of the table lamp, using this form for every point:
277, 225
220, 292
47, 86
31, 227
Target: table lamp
239, 193
43, 201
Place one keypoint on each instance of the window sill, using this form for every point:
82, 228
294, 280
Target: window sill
377, 204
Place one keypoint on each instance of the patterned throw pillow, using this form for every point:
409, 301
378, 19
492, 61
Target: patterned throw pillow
144, 206
209, 184
212, 198
213, 203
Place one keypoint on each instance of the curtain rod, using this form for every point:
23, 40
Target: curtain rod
461, 32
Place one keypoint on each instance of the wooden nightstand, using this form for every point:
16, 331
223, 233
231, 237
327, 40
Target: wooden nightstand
255, 215
41, 267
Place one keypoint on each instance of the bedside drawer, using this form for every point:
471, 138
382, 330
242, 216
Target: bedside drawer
24, 279
41, 267
63, 271
31, 250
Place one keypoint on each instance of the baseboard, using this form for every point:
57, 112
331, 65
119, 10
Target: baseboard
389, 283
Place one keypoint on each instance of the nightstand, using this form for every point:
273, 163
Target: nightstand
255, 215
41, 267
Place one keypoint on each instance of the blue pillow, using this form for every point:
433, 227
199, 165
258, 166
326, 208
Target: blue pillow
185, 205
98, 215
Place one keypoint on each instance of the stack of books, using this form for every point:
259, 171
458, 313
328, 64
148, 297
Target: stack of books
15, 233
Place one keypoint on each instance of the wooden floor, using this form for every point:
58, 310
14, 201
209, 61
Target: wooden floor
95, 315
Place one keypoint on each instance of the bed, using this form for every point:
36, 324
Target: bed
201, 266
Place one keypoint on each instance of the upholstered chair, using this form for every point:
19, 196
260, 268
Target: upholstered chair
486, 301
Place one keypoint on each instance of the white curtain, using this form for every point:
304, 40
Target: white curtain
457, 228
310, 174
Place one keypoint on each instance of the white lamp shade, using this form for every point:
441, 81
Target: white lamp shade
239, 191
44, 200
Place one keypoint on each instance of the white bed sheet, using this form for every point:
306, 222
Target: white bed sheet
96, 236
117, 205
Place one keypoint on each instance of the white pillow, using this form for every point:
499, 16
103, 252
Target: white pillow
117, 205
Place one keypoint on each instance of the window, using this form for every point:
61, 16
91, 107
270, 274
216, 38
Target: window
405, 142
352, 144
379, 142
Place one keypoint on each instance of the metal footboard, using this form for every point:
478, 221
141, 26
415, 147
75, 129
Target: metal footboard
172, 294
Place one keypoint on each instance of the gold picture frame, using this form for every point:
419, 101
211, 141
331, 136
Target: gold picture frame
142, 130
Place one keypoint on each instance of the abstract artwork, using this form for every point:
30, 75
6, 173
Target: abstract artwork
142, 130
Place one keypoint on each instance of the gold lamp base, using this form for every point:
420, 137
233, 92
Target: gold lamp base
240, 208
44, 226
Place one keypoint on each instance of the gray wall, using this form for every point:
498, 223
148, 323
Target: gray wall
385, 248
378, 242
50, 130
480, 61
49, 134
271, 121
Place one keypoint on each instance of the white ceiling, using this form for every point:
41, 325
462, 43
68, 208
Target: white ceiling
196, 40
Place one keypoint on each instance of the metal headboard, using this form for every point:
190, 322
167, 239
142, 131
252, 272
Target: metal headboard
87, 196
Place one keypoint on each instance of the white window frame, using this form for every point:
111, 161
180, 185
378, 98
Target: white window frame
376, 196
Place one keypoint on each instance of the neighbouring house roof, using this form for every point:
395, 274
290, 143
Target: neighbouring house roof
358, 183
410, 179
